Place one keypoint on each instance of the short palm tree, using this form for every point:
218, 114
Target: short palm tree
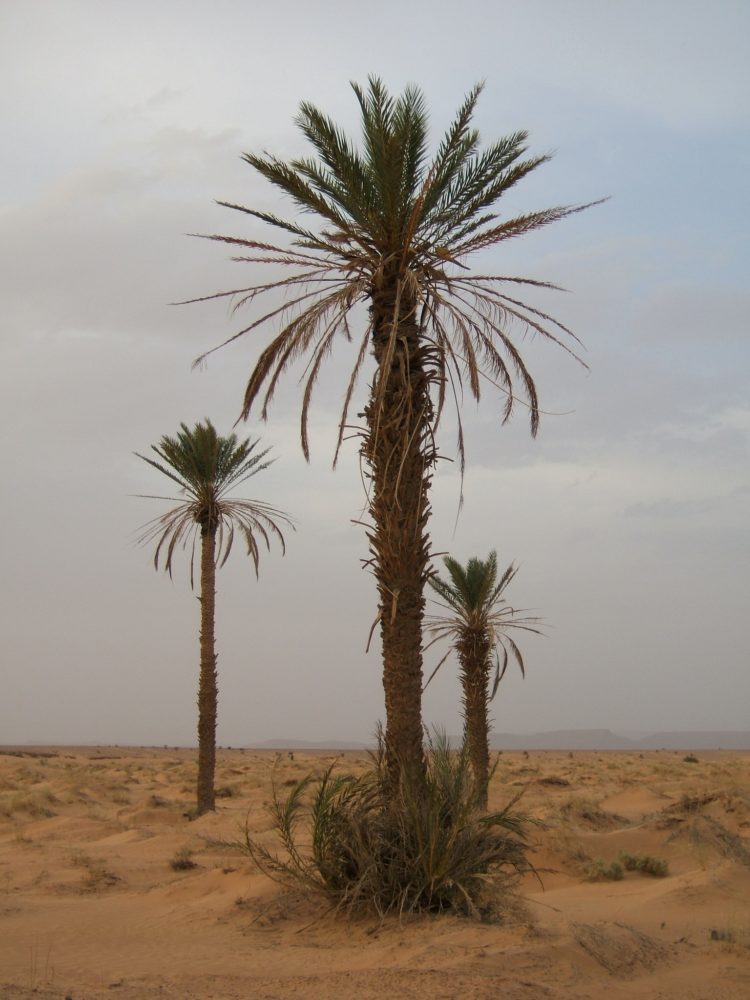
477, 623
206, 466
389, 257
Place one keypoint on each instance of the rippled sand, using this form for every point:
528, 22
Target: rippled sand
90, 906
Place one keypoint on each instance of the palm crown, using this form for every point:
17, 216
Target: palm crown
391, 218
206, 466
475, 602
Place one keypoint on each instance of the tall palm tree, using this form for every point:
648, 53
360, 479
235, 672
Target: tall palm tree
206, 467
477, 625
396, 231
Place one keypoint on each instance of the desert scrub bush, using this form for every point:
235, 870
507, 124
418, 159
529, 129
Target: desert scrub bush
424, 846
583, 811
80, 859
182, 860
690, 759
98, 877
226, 791
35, 803
645, 863
735, 936
118, 794
600, 871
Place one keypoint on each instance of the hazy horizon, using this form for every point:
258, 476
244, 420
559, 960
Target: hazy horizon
628, 514
575, 739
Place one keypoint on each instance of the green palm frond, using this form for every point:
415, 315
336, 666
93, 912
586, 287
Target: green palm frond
206, 467
390, 212
474, 603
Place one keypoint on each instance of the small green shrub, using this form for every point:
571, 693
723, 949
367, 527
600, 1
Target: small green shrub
424, 846
600, 871
690, 759
182, 860
644, 863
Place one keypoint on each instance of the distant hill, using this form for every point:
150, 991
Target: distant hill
605, 739
310, 745
697, 740
560, 739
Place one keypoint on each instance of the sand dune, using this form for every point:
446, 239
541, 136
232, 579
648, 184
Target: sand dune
90, 906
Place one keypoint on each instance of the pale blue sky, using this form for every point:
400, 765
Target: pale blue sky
629, 513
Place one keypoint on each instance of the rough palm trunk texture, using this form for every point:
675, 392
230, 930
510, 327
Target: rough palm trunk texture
474, 657
207, 688
400, 455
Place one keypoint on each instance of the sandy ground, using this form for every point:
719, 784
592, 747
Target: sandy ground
90, 906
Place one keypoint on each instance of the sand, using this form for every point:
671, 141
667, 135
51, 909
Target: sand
90, 906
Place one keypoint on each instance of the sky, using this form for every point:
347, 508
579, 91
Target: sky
627, 515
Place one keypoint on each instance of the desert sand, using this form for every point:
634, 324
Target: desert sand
90, 906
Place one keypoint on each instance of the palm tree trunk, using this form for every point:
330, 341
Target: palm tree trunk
473, 654
207, 687
400, 455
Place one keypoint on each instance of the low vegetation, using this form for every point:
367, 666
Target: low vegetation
34, 803
425, 846
600, 871
182, 860
645, 863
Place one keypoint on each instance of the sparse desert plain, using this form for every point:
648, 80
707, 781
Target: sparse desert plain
92, 907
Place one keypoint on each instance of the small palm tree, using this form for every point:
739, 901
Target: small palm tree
206, 467
476, 624
390, 256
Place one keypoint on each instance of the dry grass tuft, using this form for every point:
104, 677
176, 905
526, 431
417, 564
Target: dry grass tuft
35, 803
183, 860
586, 812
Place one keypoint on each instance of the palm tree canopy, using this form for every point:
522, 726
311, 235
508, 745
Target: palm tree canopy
393, 217
472, 591
206, 466
474, 600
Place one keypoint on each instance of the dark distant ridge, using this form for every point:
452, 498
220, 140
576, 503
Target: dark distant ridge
605, 739
309, 745
561, 739
736, 739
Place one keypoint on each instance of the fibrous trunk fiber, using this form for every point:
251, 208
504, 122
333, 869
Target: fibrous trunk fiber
400, 455
207, 688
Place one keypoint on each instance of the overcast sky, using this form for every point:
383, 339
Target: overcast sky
629, 513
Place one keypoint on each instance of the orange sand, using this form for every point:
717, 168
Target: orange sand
90, 907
